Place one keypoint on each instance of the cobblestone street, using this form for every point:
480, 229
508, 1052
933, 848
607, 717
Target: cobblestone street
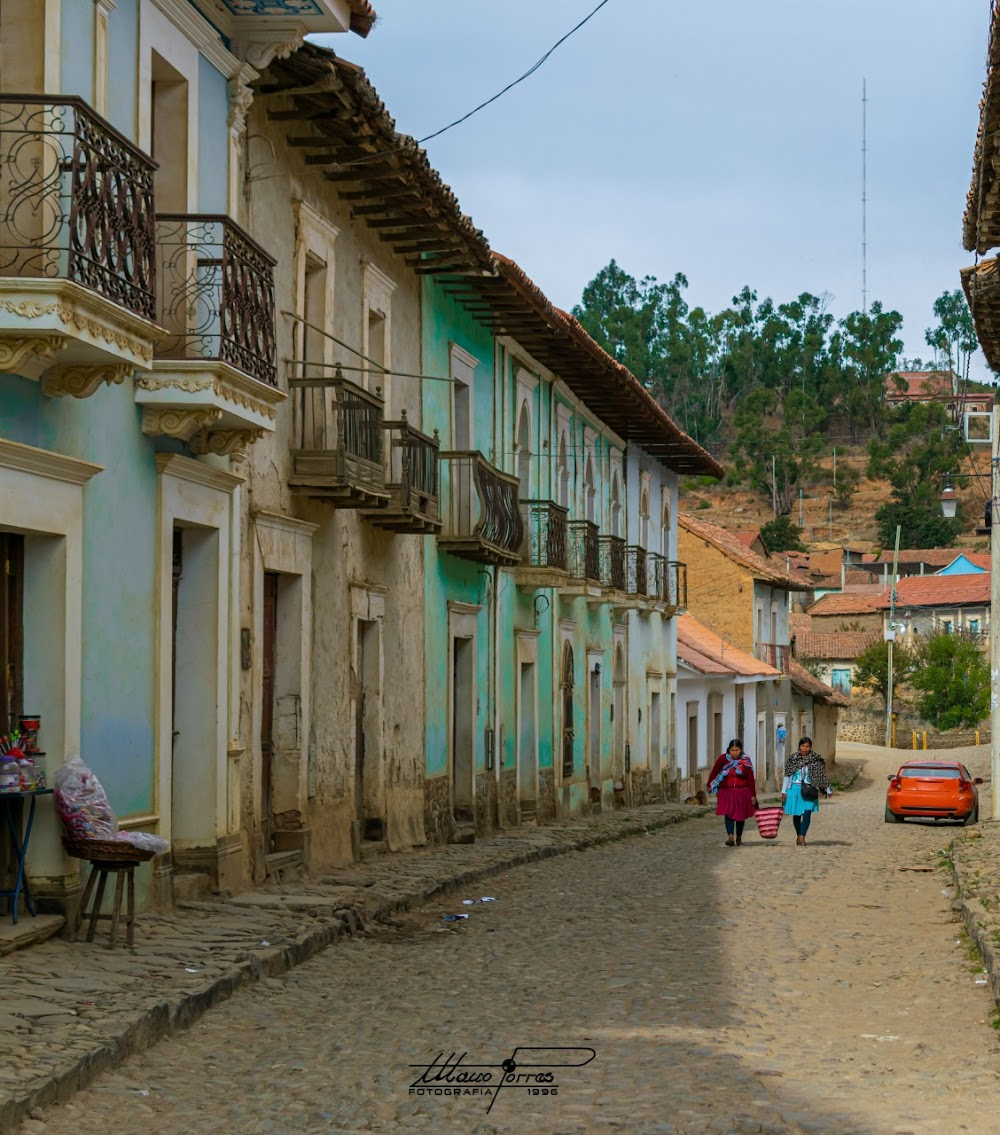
767, 988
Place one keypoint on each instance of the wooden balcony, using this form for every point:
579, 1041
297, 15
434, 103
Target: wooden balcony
411, 480
636, 579
611, 561
545, 551
774, 654
339, 446
77, 247
481, 520
584, 551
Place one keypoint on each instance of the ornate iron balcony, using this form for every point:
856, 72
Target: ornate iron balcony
584, 555
481, 518
611, 559
215, 294
76, 201
338, 438
636, 582
544, 535
412, 481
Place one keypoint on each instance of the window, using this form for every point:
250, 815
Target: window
169, 119
947, 626
644, 519
590, 492
463, 367
376, 331
524, 453
973, 626
562, 472
665, 532
841, 680
616, 507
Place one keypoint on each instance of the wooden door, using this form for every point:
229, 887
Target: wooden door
11, 629
268, 659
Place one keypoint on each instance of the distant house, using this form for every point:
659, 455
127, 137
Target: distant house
751, 538
932, 604
832, 655
941, 386
815, 709
857, 610
721, 690
927, 561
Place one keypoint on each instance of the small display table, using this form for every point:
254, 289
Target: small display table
19, 844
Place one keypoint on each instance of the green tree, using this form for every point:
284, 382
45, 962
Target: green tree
865, 347
871, 669
918, 448
781, 535
954, 338
953, 681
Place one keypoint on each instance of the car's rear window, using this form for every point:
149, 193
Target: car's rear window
923, 771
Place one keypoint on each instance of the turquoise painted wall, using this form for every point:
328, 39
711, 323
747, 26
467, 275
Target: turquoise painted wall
77, 62
119, 574
448, 578
213, 139
123, 56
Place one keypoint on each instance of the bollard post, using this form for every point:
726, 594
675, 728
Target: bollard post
977, 736
914, 739
925, 738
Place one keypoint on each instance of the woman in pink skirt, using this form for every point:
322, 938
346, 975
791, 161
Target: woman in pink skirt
732, 779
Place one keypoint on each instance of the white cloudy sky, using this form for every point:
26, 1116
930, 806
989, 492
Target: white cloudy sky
719, 138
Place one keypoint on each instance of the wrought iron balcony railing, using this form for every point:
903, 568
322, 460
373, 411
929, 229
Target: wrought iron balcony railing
411, 479
215, 294
584, 554
636, 582
774, 654
76, 201
481, 518
338, 442
675, 593
545, 544
611, 561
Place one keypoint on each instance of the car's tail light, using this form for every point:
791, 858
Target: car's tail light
896, 784
964, 785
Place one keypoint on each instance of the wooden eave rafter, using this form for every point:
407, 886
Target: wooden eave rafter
340, 127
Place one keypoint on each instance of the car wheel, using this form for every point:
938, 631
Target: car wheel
972, 817
891, 817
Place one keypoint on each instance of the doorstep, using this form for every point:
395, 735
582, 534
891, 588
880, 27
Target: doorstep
27, 931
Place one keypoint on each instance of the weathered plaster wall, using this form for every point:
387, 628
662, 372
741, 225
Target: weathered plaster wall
720, 593
350, 558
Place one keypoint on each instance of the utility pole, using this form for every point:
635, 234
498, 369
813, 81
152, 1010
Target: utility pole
890, 638
774, 486
864, 195
800, 508
830, 532
994, 620
834, 466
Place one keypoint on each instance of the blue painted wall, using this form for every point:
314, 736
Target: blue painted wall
119, 573
123, 63
77, 62
213, 139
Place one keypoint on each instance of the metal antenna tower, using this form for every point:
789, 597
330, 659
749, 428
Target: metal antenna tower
864, 195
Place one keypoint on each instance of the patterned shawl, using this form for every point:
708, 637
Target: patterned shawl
814, 762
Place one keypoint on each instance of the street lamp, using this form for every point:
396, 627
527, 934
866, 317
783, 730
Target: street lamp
949, 502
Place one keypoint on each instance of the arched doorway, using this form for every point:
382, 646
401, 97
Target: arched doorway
524, 452
618, 713
616, 507
590, 492
568, 735
562, 471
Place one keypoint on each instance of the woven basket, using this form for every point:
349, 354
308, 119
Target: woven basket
768, 820
106, 851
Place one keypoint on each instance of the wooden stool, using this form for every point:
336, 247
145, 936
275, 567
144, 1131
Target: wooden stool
105, 856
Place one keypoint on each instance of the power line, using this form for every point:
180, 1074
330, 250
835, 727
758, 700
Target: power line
482, 106
510, 86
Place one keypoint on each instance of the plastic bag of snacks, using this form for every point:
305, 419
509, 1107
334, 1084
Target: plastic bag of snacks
86, 813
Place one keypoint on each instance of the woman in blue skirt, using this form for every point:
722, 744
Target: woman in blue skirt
804, 768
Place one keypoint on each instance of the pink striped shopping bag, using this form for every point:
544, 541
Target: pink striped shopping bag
768, 820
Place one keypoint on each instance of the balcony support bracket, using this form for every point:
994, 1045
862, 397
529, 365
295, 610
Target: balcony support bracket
224, 443
29, 355
80, 381
182, 424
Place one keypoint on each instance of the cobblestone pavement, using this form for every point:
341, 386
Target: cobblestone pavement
767, 989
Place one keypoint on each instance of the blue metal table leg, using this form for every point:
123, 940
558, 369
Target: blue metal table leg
20, 848
22, 883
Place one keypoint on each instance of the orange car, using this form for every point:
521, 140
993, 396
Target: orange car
939, 790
